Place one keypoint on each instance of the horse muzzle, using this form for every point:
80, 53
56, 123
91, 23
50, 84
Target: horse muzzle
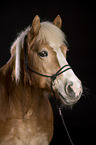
72, 93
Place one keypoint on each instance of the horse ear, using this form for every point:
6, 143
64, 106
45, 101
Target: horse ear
58, 21
34, 30
36, 25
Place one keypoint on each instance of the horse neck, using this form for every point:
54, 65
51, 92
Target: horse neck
17, 97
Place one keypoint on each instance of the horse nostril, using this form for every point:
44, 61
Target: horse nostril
69, 91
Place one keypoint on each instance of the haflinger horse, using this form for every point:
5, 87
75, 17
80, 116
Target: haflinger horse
37, 68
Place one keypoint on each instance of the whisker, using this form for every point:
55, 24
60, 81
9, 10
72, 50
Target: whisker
86, 92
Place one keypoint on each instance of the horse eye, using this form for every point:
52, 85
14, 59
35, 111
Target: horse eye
43, 54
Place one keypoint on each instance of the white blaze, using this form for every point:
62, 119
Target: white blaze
67, 77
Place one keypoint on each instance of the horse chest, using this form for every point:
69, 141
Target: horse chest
25, 133
31, 130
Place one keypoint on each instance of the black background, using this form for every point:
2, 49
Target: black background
79, 26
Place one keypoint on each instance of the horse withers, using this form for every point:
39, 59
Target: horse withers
37, 68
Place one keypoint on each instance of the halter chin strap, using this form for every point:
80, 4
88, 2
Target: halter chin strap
53, 77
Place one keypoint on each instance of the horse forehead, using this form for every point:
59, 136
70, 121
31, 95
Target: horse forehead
60, 56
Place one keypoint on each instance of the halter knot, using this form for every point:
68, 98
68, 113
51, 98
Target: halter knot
53, 77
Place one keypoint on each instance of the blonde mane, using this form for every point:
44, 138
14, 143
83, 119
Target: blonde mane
16, 50
53, 35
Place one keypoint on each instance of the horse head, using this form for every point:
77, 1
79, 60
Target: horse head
46, 54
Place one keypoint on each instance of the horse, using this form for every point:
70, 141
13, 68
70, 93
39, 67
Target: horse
36, 70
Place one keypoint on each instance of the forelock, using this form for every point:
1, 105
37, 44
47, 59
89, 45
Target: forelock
53, 35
